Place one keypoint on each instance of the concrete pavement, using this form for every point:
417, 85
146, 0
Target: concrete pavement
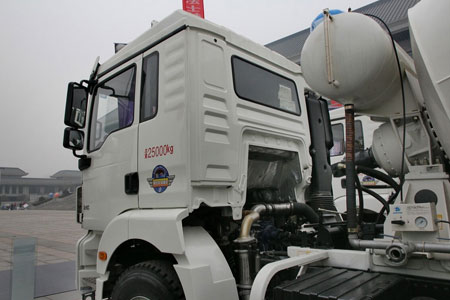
73, 295
56, 232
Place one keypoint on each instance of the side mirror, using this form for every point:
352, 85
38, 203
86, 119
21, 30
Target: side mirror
76, 104
73, 139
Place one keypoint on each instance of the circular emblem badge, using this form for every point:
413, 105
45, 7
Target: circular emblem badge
160, 179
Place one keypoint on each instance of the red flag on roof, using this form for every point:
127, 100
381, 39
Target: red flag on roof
194, 7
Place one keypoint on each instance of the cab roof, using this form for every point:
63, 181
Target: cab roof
181, 20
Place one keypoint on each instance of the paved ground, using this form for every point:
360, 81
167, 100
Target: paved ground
56, 233
74, 295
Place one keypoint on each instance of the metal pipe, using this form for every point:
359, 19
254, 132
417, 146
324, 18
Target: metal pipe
326, 26
431, 247
246, 225
352, 224
249, 264
410, 246
290, 208
245, 278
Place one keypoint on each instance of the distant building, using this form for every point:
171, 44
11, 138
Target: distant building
15, 187
393, 12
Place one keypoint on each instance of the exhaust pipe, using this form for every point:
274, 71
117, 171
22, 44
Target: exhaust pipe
292, 208
246, 252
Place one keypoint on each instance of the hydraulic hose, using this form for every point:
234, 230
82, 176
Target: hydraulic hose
361, 200
305, 210
386, 179
390, 201
376, 196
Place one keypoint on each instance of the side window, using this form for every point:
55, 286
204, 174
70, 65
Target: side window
149, 101
359, 136
339, 142
256, 84
113, 107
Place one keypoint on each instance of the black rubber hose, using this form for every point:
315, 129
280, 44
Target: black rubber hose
393, 197
378, 197
390, 201
378, 175
361, 200
306, 211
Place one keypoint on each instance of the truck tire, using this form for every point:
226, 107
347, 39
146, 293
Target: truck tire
151, 280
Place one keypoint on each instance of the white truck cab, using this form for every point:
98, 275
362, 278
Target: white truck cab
188, 115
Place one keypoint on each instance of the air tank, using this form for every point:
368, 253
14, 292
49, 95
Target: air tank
361, 66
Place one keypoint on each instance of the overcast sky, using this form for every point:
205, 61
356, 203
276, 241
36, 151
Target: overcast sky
45, 44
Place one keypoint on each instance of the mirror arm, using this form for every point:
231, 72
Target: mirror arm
84, 162
89, 84
78, 156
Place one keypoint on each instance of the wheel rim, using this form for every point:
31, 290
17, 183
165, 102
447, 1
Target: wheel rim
140, 298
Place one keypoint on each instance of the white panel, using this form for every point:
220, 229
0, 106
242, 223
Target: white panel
219, 144
216, 136
202, 269
214, 103
218, 172
144, 224
216, 119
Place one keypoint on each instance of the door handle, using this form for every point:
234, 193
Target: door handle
132, 183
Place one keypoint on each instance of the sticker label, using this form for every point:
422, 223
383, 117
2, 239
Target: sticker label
417, 209
285, 97
160, 179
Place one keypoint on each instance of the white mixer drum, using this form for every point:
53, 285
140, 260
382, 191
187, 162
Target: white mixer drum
361, 57
429, 27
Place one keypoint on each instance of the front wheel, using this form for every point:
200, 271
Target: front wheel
151, 280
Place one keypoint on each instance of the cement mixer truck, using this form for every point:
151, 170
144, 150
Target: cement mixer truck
206, 166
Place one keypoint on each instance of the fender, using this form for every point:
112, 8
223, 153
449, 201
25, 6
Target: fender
144, 225
203, 270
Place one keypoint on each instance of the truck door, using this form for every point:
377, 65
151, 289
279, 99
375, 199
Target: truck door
162, 146
108, 186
